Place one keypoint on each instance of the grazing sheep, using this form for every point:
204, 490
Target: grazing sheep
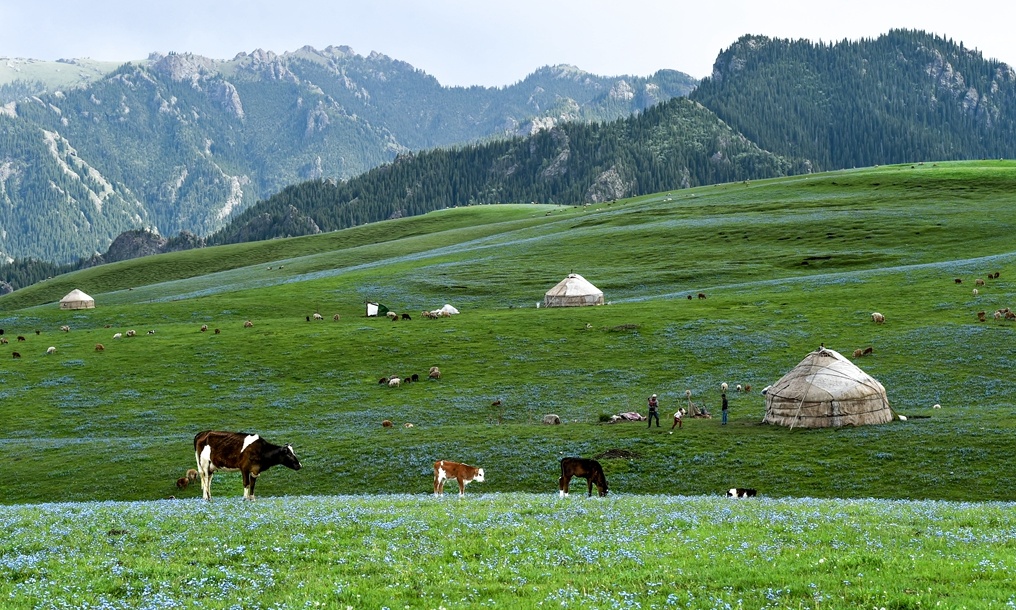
66, 329
50, 350
308, 318
936, 406
551, 419
336, 317
217, 331
857, 353
117, 336
407, 379
747, 388
877, 318
958, 281
739, 388
151, 332
394, 382
415, 377
382, 381
3, 340
15, 355
405, 316
496, 403
435, 373
21, 338
204, 328
868, 350
99, 347
407, 425
701, 295
723, 386
392, 316
387, 423
690, 297
981, 316
318, 316
1010, 315
132, 333
192, 474
994, 276
975, 292
38, 332
248, 324
182, 482
978, 282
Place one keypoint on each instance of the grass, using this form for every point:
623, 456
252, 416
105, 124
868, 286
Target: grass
786, 265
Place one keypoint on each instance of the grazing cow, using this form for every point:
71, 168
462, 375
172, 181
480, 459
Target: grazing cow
588, 469
15, 355
248, 453
387, 424
877, 318
405, 316
99, 347
462, 473
738, 492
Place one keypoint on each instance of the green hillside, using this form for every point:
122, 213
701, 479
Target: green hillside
785, 264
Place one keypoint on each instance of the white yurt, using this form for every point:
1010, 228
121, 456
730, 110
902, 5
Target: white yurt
573, 291
826, 390
76, 299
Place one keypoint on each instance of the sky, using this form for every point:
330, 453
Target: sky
483, 42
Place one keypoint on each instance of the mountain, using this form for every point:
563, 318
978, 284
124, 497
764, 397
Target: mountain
181, 142
673, 145
905, 96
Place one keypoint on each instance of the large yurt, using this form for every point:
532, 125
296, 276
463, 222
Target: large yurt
826, 390
573, 291
76, 299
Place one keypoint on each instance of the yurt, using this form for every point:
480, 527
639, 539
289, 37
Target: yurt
76, 299
573, 291
826, 390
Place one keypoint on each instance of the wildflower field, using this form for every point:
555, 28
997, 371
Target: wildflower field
909, 514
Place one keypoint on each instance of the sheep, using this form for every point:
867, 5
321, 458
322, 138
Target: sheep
204, 328
318, 316
407, 379
415, 377
739, 388
701, 295
978, 282
50, 350
958, 281
394, 382
435, 373
382, 381
387, 423
496, 403
994, 276
192, 474
975, 292
3, 340
182, 482
15, 355
551, 419
336, 317
405, 316
868, 350
877, 318
936, 406
151, 332
65, 329
38, 332
747, 388
723, 386
392, 316
407, 425
132, 333
248, 324
99, 347
857, 353
1010, 315
21, 338
117, 336
981, 316
217, 331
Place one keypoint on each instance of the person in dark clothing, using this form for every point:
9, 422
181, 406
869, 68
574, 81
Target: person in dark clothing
654, 411
723, 408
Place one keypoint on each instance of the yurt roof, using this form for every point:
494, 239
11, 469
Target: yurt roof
573, 286
75, 295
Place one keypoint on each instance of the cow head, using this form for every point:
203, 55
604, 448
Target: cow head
479, 475
289, 459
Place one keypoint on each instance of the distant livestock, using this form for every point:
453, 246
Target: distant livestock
723, 386
65, 329
204, 328
3, 340
738, 492
462, 473
877, 318
407, 425
318, 316
21, 338
151, 332
868, 350
435, 373
51, 350
392, 316
981, 316
248, 324
958, 281
382, 381
978, 282
131, 333
857, 353
590, 470
405, 316
117, 336
182, 482
387, 424
414, 377
15, 355
701, 295
99, 347
248, 453
336, 317
217, 331
551, 419
975, 292
394, 382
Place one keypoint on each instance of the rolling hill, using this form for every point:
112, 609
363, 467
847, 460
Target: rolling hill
786, 264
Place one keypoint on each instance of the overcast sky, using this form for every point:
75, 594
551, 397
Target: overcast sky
483, 42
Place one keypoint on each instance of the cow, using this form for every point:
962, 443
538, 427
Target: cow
248, 453
738, 492
588, 469
463, 473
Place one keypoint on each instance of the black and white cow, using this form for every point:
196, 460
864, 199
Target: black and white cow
462, 473
248, 453
590, 470
738, 492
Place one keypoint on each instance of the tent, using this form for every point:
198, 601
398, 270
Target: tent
826, 390
573, 291
376, 309
76, 299
448, 309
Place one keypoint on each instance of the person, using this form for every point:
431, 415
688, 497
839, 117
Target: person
678, 419
724, 408
654, 411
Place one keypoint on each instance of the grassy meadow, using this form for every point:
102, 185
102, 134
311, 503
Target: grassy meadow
95, 439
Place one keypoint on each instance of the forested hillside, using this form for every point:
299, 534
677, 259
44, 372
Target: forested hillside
183, 143
902, 97
674, 145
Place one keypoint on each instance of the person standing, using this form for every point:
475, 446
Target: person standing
723, 408
654, 411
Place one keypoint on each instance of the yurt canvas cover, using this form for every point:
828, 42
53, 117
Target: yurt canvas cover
376, 309
573, 291
826, 390
76, 299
